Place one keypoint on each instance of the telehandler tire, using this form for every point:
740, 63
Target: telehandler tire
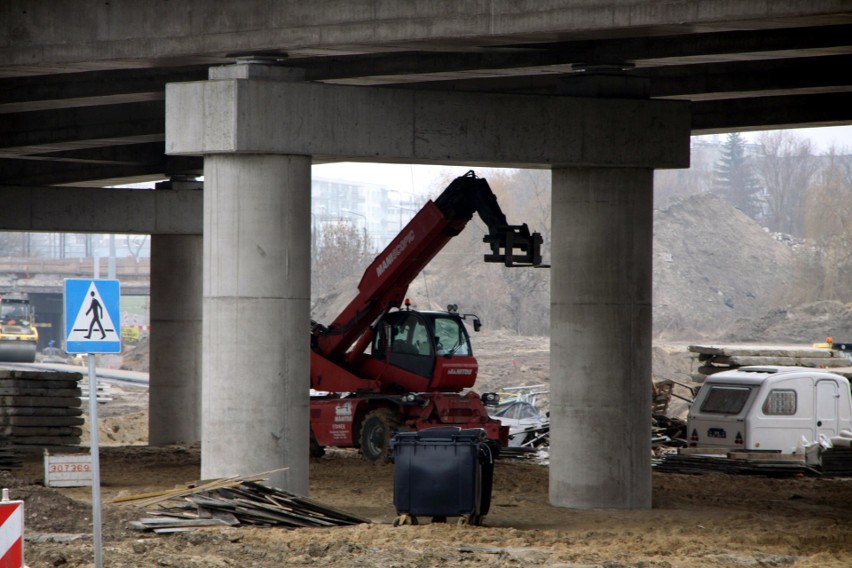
376, 431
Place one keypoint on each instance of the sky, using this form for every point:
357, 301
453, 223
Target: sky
822, 138
424, 180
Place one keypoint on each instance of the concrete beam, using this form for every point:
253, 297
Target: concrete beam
753, 78
98, 210
69, 90
77, 32
538, 62
104, 167
89, 127
374, 124
769, 113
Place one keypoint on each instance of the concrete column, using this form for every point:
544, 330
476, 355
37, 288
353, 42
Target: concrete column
601, 338
175, 356
256, 360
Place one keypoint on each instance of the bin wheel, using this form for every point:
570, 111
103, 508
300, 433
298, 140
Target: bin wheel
473, 520
376, 431
403, 520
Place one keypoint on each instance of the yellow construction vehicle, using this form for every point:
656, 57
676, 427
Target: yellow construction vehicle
18, 333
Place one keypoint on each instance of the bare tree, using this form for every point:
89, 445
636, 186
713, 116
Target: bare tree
340, 251
828, 224
13, 244
786, 166
135, 244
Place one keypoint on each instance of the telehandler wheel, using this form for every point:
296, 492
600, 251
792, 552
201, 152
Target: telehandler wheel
376, 431
316, 451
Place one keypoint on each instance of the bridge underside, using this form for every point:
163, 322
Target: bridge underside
602, 93
85, 101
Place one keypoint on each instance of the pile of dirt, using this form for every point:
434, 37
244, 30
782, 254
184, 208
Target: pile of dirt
713, 265
806, 324
134, 356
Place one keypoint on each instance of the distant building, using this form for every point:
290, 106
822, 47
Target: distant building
378, 209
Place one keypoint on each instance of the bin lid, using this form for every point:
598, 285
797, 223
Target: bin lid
445, 433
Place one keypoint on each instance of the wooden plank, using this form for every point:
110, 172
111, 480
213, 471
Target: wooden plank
746, 349
208, 486
15, 420
306, 502
767, 456
38, 391
767, 361
41, 401
39, 383
42, 410
703, 451
27, 431
48, 441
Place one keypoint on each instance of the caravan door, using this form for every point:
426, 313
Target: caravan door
827, 399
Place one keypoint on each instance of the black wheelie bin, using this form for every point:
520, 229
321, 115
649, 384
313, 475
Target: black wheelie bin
442, 472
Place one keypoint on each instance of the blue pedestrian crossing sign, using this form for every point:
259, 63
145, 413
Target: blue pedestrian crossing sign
92, 316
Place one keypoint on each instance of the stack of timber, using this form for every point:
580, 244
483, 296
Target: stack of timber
836, 461
715, 358
40, 410
739, 463
9, 458
235, 501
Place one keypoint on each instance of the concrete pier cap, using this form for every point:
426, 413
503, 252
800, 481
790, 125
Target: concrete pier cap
266, 109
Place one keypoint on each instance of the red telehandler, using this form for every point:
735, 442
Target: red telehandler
381, 369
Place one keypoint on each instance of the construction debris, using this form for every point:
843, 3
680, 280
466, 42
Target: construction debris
717, 358
235, 501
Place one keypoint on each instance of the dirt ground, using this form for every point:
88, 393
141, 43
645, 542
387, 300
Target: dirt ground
707, 520
696, 521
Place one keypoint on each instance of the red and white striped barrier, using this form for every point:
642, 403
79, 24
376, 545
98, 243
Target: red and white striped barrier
11, 532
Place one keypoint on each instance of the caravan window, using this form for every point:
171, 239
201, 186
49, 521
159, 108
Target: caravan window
725, 400
780, 403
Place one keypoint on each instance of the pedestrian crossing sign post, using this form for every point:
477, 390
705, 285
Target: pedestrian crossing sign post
92, 316
92, 319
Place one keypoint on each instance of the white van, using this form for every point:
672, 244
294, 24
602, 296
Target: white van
769, 408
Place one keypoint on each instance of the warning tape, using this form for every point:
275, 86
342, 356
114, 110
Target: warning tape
11, 532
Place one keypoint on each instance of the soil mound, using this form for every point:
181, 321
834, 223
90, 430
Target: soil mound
713, 265
809, 323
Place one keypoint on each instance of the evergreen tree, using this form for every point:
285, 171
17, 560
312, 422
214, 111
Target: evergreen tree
734, 179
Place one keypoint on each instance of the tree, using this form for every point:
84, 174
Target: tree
828, 225
734, 179
136, 244
340, 251
13, 244
786, 166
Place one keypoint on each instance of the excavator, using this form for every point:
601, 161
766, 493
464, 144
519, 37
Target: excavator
382, 367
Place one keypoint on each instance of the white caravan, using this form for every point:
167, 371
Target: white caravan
769, 408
